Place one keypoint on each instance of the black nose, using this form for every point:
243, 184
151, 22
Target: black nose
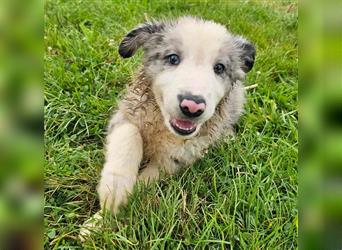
191, 105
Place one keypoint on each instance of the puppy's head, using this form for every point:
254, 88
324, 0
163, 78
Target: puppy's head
193, 64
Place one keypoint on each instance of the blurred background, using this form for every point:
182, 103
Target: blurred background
320, 95
21, 124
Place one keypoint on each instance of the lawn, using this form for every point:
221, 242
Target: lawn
242, 195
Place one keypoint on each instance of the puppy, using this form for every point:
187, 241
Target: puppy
186, 96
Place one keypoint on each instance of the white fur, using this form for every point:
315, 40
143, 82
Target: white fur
140, 130
119, 174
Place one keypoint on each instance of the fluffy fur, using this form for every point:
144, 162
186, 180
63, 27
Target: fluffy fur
141, 144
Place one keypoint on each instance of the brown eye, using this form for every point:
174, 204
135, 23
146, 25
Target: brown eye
174, 59
219, 68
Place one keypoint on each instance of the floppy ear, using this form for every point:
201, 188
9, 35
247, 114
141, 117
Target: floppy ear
137, 37
247, 53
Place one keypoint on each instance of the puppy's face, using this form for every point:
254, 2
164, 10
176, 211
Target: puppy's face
193, 64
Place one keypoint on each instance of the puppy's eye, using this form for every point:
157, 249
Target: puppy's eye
219, 68
173, 59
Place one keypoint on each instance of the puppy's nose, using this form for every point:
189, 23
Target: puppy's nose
191, 105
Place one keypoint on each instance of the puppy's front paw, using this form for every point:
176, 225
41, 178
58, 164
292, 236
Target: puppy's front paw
149, 174
114, 190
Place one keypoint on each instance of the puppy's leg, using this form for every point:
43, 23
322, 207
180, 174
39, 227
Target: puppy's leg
152, 172
149, 174
123, 157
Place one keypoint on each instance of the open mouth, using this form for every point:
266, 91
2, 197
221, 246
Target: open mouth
183, 127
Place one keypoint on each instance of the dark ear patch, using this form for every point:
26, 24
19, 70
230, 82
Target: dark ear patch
137, 37
247, 54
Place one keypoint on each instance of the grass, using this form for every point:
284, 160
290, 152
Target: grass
242, 195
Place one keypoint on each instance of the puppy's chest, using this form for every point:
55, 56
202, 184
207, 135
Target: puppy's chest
162, 147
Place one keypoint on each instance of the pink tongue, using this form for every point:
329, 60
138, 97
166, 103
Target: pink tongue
184, 124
